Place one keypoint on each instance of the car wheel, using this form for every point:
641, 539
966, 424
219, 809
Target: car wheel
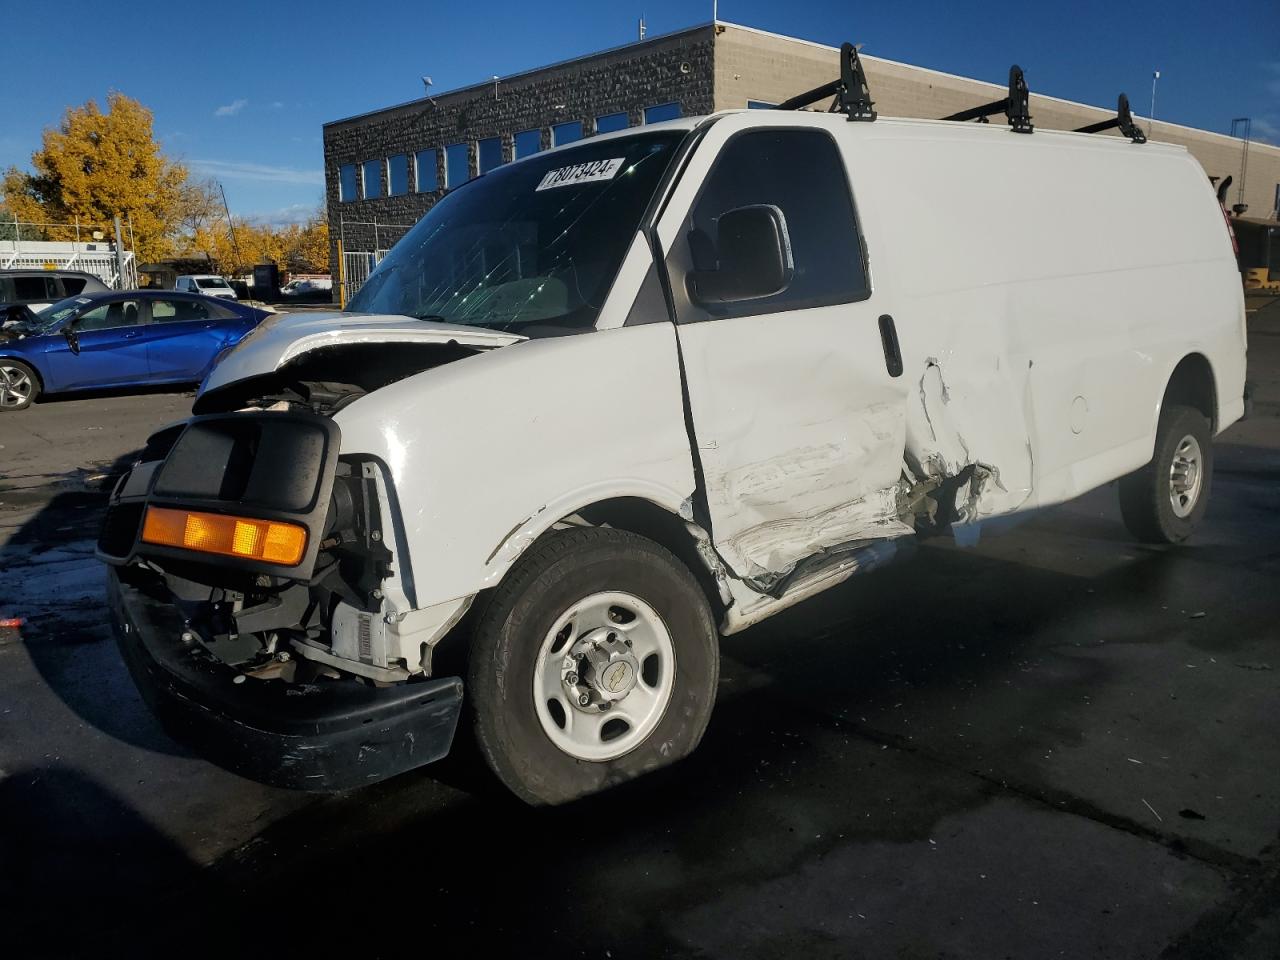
594, 662
1165, 500
19, 385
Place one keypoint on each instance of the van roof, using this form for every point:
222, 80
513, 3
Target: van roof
882, 123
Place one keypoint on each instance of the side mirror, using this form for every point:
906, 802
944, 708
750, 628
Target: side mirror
73, 341
753, 253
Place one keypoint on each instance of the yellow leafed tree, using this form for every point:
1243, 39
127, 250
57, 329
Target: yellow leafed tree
300, 249
95, 165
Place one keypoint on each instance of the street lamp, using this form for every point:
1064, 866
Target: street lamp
1155, 75
1245, 126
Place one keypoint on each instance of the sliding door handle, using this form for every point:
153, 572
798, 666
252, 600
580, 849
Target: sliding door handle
889, 340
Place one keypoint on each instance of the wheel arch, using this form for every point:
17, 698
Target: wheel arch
29, 364
635, 511
1192, 383
654, 522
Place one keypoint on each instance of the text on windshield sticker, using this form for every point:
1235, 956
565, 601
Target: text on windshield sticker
581, 173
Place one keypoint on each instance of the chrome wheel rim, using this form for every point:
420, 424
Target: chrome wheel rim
1186, 476
604, 676
15, 387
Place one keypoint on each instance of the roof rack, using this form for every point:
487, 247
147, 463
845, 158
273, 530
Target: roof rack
852, 97
1123, 119
851, 93
1014, 106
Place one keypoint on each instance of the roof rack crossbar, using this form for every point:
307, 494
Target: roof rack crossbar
850, 90
1015, 106
1123, 119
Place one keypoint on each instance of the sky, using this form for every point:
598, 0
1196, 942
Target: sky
241, 91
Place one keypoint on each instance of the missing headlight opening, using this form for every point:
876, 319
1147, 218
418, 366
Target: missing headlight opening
288, 623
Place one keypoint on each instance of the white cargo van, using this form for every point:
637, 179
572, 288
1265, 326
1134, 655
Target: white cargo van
611, 402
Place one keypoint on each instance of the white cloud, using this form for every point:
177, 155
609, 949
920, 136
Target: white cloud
277, 104
234, 170
1273, 85
299, 213
1265, 130
232, 108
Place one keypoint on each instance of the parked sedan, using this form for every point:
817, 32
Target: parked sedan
117, 339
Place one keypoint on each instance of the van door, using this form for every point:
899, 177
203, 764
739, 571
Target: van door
797, 398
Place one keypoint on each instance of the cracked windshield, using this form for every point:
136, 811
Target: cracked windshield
535, 243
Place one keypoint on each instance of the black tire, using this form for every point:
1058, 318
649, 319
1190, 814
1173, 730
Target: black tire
556, 573
11, 402
1145, 501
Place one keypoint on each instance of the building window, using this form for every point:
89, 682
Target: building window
527, 143
424, 165
611, 122
348, 183
489, 153
760, 105
371, 179
398, 175
457, 165
563, 133
662, 111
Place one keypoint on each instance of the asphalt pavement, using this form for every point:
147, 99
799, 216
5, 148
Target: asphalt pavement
1055, 744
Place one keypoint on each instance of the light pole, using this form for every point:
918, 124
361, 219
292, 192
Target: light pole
1245, 126
1155, 75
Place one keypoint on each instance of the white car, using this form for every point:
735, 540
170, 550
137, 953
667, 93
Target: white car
621, 398
307, 287
207, 284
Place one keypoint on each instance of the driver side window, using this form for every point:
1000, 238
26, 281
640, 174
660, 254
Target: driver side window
120, 313
800, 174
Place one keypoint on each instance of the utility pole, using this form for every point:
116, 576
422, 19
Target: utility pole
230, 225
1152, 125
119, 254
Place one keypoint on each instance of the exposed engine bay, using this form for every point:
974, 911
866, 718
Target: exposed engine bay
327, 379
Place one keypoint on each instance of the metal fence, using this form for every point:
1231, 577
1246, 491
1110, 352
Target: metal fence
354, 266
355, 269
67, 246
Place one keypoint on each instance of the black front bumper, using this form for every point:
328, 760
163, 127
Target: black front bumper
331, 735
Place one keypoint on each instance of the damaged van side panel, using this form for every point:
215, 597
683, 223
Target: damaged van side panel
1038, 356
801, 448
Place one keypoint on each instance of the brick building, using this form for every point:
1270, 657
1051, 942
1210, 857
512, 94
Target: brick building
384, 169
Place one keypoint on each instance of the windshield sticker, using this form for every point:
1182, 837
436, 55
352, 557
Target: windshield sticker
581, 173
82, 299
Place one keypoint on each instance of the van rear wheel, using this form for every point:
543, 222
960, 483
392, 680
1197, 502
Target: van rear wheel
1165, 500
594, 662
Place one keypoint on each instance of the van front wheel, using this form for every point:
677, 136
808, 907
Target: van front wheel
1165, 500
594, 662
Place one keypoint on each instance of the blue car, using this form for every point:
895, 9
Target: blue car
117, 339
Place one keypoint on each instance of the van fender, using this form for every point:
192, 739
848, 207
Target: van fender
1188, 378
563, 509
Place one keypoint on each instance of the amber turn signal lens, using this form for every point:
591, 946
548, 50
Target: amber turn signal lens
267, 540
